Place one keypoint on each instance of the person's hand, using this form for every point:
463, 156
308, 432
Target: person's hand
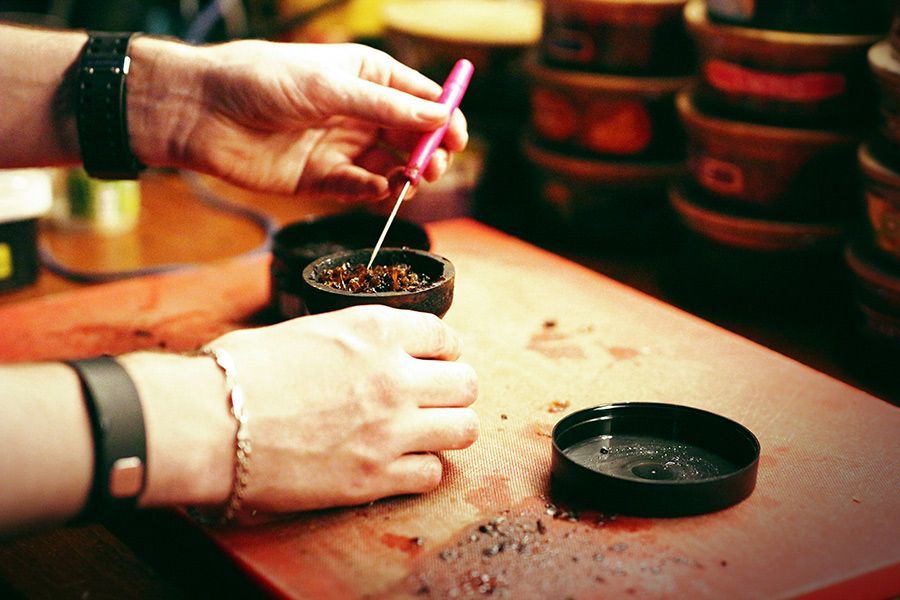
328, 121
347, 407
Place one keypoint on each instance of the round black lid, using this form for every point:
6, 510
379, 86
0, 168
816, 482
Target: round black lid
652, 459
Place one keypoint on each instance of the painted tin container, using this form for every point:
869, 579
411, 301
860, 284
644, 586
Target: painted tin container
599, 204
782, 77
885, 64
621, 36
734, 261
877, 315
605, 115
810, 16
772, 170
882, 190
431, 35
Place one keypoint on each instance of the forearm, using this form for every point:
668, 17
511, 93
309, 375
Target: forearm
190, 448
46, 464
37, 120
38, 79
48, 453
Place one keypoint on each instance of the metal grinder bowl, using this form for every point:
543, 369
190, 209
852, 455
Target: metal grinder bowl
434, 298
652, 460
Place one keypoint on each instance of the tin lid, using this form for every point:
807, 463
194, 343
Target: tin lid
599, 170
475, 21
731, 228
602, 83
24, 194
885, 64
653, 459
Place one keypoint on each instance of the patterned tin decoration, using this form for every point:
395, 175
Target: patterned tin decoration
776, 171
605, 115
618, 36
780, 77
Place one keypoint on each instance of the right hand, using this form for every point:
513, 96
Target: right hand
348, 407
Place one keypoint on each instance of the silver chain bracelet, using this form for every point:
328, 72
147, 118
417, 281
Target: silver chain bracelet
242, 436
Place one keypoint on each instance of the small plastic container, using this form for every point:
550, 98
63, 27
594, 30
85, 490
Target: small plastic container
296, 245
774, 171
600, 204
609, 116
25, 195
782, 77
653, 460
882, 189
885, 64
810, 16
728, 260
617, 36
431, 35
107, 207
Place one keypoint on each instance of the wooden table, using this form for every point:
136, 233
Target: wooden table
822, 507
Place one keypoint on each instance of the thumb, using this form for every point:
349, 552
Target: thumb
385, 106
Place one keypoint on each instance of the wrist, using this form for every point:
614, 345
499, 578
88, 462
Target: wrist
190, 436
164, 99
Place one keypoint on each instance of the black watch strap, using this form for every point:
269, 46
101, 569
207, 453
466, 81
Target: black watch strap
120, 445
101, 107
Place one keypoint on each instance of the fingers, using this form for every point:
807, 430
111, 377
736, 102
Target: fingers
413, 474
352, 182
409, 80
386, 106
455, 139
435, 383
437, 429
424, 335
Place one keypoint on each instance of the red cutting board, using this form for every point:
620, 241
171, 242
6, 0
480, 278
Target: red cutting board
823, 521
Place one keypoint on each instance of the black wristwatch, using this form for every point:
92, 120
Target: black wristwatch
101, 107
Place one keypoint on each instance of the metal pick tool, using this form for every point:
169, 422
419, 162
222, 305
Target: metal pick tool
454, 90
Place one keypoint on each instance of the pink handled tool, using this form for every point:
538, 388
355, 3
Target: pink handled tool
453, 91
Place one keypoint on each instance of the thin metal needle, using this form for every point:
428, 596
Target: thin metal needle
388, 224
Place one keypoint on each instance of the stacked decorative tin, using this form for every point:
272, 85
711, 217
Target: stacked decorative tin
604, 139
782, 102
874, 256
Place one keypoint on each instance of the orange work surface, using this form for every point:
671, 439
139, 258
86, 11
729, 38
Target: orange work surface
548, 337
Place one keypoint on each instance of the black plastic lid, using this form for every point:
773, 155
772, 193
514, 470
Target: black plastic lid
650, 459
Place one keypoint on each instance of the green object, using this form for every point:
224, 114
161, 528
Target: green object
103, 205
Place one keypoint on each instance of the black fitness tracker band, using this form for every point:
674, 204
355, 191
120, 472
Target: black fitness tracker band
120, 444
101, 109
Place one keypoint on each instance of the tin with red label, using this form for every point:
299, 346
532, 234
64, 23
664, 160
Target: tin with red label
774, 171
599, 204
882, 189
885, 65
727, 258
810, 16
877, 293
605, 115
619, 36
789, 78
